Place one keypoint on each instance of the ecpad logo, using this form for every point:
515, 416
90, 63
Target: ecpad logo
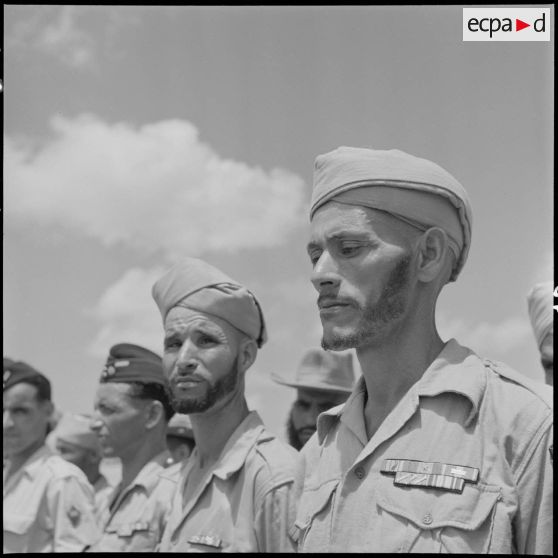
506, 24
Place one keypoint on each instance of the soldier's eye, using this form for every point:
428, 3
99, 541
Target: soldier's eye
349, 249
302, 405
314, 256
205, 340
172, 343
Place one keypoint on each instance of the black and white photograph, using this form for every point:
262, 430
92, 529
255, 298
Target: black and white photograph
278, 278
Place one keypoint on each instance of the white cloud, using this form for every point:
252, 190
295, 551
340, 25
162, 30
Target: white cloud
127, 313
75, 35
156, 188
66, 40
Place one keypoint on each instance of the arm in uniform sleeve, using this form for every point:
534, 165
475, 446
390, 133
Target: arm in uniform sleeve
72, 509
534, 520
274, 518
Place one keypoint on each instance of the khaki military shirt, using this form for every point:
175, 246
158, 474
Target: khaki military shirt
134, 518
103, 491
245, 501
461, 464
48, 506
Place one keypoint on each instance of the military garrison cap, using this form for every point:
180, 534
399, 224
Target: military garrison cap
18, 372
180, 426
131, 363
195, 284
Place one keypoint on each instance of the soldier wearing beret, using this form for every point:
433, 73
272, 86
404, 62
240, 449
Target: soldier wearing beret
236, 489
132, 409
48, 502
436, 449
323, 381
77, 443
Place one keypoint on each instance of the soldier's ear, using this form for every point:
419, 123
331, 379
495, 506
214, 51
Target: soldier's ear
154, 414
247, 352
47, 408
433, 255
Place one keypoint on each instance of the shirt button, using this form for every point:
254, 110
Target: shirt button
359, 472
427, 519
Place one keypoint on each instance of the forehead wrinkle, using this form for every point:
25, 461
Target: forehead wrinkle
184, 316
112, 392
339, 231
184, 319
22, 392
353, 217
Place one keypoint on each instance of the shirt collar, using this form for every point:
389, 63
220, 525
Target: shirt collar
352, 412
236, 450
148, 477
34, 463
456, 369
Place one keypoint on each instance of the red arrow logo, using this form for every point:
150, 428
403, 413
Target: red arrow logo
519, 25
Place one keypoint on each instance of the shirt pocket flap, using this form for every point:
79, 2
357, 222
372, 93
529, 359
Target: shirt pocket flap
18, 524
432, 508
127, 529
312, 502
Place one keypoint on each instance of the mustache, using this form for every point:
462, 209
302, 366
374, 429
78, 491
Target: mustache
178, 376
325, 300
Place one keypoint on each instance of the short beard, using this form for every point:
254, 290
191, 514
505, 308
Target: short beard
220, 389
390, 306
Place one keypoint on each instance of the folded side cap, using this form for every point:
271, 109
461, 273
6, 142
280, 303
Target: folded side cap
198, 285
347, 168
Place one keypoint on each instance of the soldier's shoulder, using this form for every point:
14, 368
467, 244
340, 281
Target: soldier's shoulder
518, 386
59, 468
276, 458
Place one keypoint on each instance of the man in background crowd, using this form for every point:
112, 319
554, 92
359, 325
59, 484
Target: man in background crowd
77, 443
180, 438
132, 410
540, 302
323, 380
436, 449
48, 504
236, 489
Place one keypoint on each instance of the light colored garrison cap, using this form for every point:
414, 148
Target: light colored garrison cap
540, 305
198, 285
74, 429
322, 370
412, 189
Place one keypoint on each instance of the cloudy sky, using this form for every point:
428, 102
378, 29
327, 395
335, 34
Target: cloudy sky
134, 136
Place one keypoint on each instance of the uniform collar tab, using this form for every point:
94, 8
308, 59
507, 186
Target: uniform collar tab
148, 477
328, 418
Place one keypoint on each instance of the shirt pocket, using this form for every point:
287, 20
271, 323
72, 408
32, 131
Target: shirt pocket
136, 536
208, 543
16, 531
312, 513
434, 520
